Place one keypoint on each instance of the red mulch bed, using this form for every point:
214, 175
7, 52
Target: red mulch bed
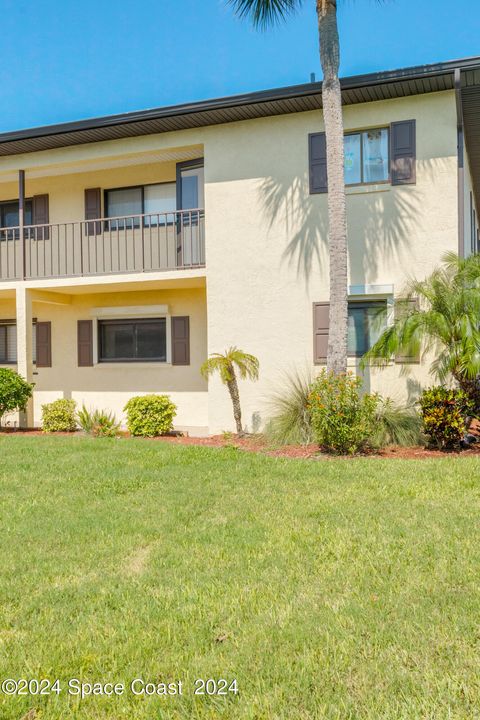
258, 444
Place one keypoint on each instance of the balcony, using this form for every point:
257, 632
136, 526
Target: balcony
115, 245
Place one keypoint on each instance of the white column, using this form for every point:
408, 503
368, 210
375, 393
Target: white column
24, 346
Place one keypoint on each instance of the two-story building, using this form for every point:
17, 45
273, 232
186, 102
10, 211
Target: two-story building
134, 245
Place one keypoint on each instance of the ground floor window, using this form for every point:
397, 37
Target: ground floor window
366, 322
8, 342
142, 340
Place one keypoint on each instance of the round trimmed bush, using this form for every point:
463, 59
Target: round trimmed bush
15, 392
150, 415
59, 416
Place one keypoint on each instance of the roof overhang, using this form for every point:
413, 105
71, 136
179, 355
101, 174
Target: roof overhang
296, 98
470, 97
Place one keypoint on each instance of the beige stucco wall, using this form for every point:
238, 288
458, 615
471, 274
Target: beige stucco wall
266, 244
257, 182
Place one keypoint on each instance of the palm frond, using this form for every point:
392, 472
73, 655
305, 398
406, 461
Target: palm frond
225, 363
265, 12
445, 320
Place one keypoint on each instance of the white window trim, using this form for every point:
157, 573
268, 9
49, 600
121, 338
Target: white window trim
127, 312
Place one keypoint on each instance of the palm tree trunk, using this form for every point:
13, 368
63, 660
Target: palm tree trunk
337, 216
235, 395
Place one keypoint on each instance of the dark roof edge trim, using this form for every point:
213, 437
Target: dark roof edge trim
292, 91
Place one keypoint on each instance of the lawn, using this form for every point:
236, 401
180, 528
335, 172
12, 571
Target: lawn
339, 589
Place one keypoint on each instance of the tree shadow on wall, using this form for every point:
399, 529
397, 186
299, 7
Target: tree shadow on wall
381, 224
383, 227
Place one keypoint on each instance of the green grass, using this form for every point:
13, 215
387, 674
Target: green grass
329, 589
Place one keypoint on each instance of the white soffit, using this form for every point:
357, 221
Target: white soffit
169, 155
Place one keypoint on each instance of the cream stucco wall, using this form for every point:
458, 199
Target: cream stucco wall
274, 233
266, 245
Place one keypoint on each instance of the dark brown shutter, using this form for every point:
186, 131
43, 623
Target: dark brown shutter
40, 216
317, 161
400, 309
44, 344
93, 210
320, 331
85, 343
181, 340
403, 152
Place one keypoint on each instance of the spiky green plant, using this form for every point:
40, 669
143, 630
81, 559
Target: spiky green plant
397, 425
443, 322
99, 423
226, 365
290, 421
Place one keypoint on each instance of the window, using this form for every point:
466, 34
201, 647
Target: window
8, 342
366, 322
142, 340
367, 157
160, 199
190, 176
148, 199
9, 217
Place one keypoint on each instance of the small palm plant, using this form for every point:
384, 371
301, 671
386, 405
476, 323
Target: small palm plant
445, 323
246, 365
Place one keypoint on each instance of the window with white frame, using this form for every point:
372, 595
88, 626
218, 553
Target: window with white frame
367, 157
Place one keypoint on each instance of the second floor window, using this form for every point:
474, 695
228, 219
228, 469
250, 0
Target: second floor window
367, 157
9, 213
9, 218
152, 200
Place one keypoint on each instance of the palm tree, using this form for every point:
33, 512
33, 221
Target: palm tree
225, 364
267, 12
440, 316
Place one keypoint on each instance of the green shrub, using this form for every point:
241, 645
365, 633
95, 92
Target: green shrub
444, 413
343, 419
150, 415
15, 392
397, 425
290, 423
59, 416
99, 423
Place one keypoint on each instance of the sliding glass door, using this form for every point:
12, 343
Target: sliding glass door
190, 198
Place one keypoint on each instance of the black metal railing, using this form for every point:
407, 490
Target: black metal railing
127, 244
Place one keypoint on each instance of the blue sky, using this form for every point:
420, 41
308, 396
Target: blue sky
67, 60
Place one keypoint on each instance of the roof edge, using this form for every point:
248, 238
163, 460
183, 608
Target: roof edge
283, 93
